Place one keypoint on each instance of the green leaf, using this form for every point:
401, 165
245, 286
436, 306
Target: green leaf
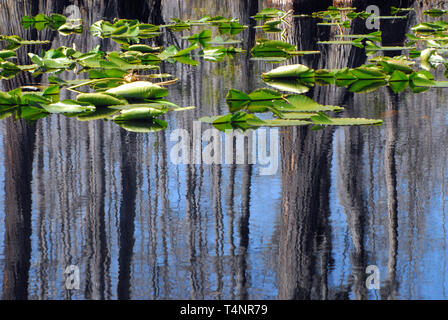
368, 73
293, 85
301, 103
218, 40
265, 95
138, 114
268, 13
99, 113
201, 38
321, 120
273, 48
422, 79
6, 54
155, 125
69, 106
31, 113
101, 99
237, 100
398, 81
27, 22
285, 123
298, 115
139, 90
362, 86
289, 71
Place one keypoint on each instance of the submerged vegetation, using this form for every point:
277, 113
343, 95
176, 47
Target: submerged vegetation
127, 88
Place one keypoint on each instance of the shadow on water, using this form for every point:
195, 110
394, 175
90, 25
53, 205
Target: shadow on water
93, 195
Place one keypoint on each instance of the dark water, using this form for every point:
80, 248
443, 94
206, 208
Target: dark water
138, 226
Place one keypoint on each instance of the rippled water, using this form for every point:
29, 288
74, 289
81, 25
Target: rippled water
138, 226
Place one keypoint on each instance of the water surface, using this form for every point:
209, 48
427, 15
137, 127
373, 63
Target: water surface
140, 227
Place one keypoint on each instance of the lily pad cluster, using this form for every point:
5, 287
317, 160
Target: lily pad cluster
120, 82
54, 21
395, 72
288, 110
134, 106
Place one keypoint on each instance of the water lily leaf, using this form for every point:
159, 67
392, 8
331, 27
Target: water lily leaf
323, 119
261, 100
99, 113
6, 113
139, 90
168, 52
323, 73
57, 21
27, 22
291, 85
237, 100
368, 73
51, 90
231, 28
214, 54
186, 60
142, 48
290, 71
268, 13
398, 81
363, 86
155, 125
357, 42
240, 120
422, 79
138, 114
41, 21
270, 59
107, 73
201, 38
218, 40
6, 54
70, 28
373, 36
31, 113
69, 106
34, 99
272, 48
435, 13
156, 104
186, 51
298, 115
6, 98
265, 95
390, 65
101, 99
285, 123
272, 23
48, 64
344, 77
430, 27
301, 103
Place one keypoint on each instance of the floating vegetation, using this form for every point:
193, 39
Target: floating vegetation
289, 110
54, 22
395, 10
435, 12
357, 42
124, 31
123, 86
276, 50
373, 36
